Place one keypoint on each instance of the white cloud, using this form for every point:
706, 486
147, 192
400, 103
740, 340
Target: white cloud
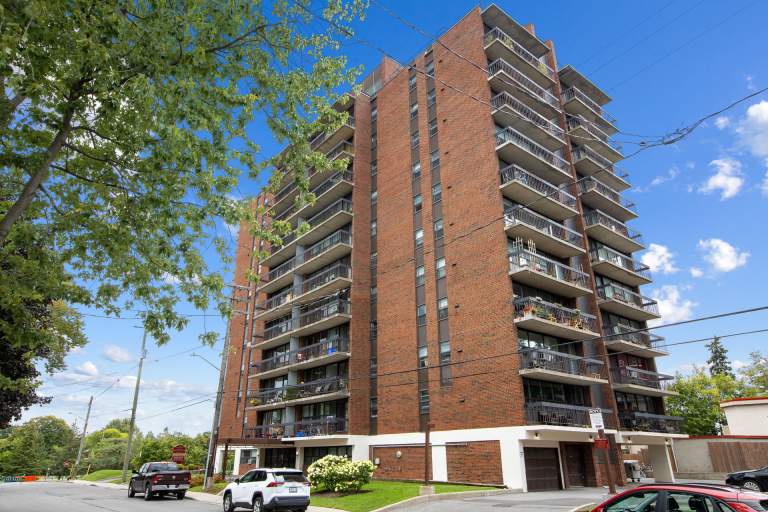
116, 354
696, 272
750, 82
753, 129
764, 184
728, 178
671, 174
660, 259
88, 368
721, 255
722, 122
672, 306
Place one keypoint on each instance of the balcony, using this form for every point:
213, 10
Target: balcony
318, 317
278, 277
325, 252
500, 45
641, 382
274, 307
509, 111
618, 266
563, 415
527, 267
612, 232
577, 103
503, 76
265, 434
315, 428
599, 196
556, 366
535, 314
623, 338
647, 422
513, 146
545, 198
298, 394
326, 141
627, 303
587, 133
275, 335
338, 185
325, 352
548, 235
336, 277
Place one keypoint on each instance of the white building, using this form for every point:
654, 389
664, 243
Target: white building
746, 416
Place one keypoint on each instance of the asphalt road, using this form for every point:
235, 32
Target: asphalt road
68, 497
555, 501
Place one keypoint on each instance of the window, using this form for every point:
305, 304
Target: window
419, 237
373, 367
422, 355
424, 401
437, 193
374, 407
431, 97
416, 170
417, 203
248, 457
374, 113
374, 293
313, 453
412, 82
373, 228
440, 268
641, 501
430, 68
420, 275
433, 127
434, 159
421, 314
445, 361
374, 168
439, 228
374, 140
415, 139
373, 330
442, 308
374, 259
414, 110
374, 196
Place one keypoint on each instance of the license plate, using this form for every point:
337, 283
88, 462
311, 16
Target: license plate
293, 489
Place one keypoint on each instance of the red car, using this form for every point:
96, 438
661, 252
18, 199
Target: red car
686, 498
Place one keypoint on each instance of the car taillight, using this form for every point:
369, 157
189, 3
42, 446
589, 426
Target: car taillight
740, 507
155, 479
274, 484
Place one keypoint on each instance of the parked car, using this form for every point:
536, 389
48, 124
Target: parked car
159, 479
685, 498
754, 479
266, 489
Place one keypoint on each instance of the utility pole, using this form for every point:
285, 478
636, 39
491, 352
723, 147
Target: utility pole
135, 403
427, 452
213, 438
82, 439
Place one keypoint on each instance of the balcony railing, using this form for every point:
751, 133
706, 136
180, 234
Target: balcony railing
342, 205
298, 391
614, 292
341, 147
322, 136
524, 82
563, 415
533, 306
277, 300
309, 428
517, 48
577, 121
509, 134
638, 377
286, 240
336, 271
504, 99
278, 329
600, 254
543, 359
281, 269
589, 183
319, 190
596, 217
516, 173
324, 311
574, 92
647, 422
302, 355
523, 259
582, 152
520, 215
339, 237
624, 332
273, 431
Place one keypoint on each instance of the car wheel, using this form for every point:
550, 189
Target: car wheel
148, 493
751, 485
228, 503
180, 495
258, 504
131, 492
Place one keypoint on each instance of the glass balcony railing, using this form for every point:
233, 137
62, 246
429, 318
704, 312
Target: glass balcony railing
625, 296
523, 259
529, 86
638, 377
551, 360
563, 415
509, 134
306, 354
506, 100
517, 48
527, 307
606, 254
520, 215
647, 422
516, 173
297, 392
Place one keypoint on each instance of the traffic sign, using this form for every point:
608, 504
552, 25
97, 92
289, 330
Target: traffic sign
596, 418
601, 444
178, 453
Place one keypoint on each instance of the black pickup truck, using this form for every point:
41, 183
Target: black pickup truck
159, 479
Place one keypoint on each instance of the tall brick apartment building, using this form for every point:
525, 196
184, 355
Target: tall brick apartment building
472, 270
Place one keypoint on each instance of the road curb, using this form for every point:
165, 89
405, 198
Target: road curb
429, 498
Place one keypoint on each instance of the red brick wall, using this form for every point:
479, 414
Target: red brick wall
475, 462
410, 466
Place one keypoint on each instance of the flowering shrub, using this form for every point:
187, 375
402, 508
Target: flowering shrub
339, 474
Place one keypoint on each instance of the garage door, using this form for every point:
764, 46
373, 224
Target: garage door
542, 469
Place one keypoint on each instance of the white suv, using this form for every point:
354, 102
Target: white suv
268, 489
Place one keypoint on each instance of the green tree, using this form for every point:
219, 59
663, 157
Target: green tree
39, 445
756, 373
123, 140
718, 359
121, 424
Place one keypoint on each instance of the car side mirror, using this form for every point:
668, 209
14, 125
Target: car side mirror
237, 481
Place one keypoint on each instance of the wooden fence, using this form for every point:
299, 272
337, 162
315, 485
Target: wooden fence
738, 456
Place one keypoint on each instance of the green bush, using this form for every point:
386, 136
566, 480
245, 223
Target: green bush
339, 474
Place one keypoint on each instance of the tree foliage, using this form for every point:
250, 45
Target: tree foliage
158, 447
756, 373
38, 446
718, 359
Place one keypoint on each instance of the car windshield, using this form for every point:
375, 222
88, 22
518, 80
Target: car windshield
163, 466
285, 476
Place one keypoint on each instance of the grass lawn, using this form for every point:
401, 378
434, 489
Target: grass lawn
379, 493
213, 490
103, 474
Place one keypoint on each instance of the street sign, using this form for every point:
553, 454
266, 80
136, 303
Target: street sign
596, 418
178, 453
601, 444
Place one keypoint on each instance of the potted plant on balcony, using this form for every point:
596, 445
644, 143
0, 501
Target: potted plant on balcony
254, 402
528, 309
576, 319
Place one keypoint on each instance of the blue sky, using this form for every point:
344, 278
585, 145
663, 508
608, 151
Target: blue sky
702, 202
